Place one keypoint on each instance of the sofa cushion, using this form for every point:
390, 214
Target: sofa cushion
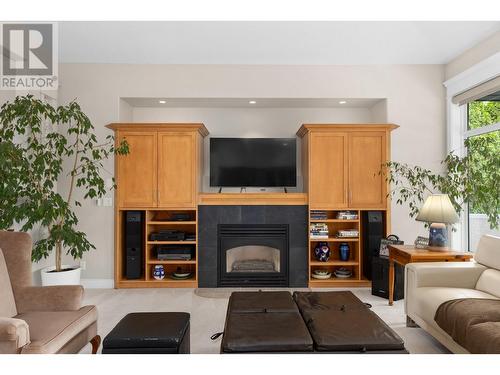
247, 302
339, 321
51, 330
456, 317
266, 332
427, 300
484, 338
7, 302
488, 251
489, 282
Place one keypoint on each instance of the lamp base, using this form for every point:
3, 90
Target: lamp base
438, 237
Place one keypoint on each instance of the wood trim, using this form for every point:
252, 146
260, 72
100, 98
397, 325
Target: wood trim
253, 199
305, 128
152, 126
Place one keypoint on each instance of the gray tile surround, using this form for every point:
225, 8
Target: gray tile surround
209, 217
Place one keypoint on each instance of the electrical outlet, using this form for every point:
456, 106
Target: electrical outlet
107, 202
83, 265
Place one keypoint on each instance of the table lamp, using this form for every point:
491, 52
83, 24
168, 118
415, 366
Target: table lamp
438, 211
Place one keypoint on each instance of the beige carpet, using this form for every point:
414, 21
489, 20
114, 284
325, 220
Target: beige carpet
208, 311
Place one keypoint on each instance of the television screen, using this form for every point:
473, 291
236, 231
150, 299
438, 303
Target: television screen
244, 162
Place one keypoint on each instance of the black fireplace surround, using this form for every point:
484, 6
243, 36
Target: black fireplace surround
230, 237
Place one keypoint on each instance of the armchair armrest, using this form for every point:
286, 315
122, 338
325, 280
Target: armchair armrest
49, 298
14, 334
443, 274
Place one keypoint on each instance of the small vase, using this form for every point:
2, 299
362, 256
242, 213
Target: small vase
159, 272
344, 251
322, 252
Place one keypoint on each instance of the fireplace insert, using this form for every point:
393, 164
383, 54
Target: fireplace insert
252, 255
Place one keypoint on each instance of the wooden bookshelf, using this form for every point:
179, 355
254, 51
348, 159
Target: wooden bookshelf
155, 220
355, 257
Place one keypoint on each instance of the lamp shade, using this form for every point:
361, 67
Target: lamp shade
438, 208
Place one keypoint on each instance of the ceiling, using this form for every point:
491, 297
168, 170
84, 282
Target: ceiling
245, 102
260, 42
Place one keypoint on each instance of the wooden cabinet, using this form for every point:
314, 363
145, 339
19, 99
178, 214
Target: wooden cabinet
138, 170
367, 186
177, 155
342, 163
161, 176
341, 166
163, 168
328, 170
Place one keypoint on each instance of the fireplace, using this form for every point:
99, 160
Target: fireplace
252, 255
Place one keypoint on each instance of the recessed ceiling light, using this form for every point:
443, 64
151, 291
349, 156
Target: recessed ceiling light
252, 102
162, 101
342, 102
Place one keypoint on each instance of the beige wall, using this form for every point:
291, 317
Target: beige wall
414, 93
474, 55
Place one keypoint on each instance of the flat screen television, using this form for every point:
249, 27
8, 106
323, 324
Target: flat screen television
253, 162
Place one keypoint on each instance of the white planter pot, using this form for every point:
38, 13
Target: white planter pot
70, 277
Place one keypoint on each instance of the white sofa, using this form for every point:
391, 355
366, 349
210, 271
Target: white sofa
428, 285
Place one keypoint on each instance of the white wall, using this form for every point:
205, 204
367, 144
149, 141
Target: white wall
474, 55
414, 93
252, 122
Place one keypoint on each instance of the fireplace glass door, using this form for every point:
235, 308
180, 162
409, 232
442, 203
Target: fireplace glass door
253, 255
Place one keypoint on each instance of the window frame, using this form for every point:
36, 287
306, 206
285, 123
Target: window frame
457, 130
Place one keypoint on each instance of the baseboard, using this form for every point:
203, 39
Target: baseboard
98, 283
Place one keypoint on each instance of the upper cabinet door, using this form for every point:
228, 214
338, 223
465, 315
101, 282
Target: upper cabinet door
328, 171
136, 178
367, 153
177, 158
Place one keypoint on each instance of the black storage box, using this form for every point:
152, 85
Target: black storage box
380, 278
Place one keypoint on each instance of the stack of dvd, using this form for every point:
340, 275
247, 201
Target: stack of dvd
318, 215
318, 231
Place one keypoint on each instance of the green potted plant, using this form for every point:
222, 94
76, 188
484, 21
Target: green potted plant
40, 144
473, 179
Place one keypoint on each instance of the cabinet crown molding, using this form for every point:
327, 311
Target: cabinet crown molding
305, 128
158, 126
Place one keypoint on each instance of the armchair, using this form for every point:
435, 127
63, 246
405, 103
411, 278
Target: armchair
39, 319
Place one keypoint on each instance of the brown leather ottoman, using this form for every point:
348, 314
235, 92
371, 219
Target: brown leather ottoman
260, 322
340, 322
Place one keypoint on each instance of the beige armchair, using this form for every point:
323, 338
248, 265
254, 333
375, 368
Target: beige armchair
39, 319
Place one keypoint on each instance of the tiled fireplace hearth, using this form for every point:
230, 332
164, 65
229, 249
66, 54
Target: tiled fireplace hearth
252, 246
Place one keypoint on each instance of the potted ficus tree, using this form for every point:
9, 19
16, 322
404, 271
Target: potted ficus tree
473, 179
39, 145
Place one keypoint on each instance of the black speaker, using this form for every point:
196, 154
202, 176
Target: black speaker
380, 281
133, 244
373, 232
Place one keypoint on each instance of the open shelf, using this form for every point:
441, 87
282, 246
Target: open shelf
334, 263
171, 223
334, 225
171, 243
174, 262
155, 220
335, 239
335, 221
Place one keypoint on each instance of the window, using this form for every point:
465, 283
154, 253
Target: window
483, 123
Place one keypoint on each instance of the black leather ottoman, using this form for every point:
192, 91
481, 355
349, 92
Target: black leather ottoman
263, 322
340, 322
149, 333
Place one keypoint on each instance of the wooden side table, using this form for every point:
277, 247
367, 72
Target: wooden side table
404, 254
